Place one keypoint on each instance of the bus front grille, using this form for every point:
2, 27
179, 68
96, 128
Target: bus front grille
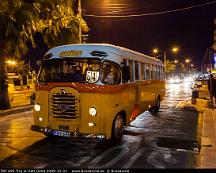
64, 105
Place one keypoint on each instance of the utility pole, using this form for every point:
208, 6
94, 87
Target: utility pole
79, 15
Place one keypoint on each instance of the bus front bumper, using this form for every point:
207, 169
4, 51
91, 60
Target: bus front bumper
48, 132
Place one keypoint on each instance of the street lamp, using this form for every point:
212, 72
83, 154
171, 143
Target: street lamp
11, 62
187, 61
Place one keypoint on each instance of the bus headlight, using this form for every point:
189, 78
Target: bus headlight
37, 107
92, 111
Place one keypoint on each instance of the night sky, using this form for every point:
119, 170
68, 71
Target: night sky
191, 30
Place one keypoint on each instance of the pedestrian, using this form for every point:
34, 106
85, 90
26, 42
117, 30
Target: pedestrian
74, 73
212, 87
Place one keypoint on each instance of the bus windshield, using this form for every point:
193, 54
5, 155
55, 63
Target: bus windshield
70, 70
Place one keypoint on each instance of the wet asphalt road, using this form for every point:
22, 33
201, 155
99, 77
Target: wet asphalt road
165, 140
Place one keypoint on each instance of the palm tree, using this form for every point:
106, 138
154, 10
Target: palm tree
15, 31
19, 21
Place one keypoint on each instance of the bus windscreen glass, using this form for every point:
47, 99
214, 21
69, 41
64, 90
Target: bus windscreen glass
70, 70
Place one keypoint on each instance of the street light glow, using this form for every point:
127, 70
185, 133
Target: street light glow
11, 62
187, 60
155, 50
175, 49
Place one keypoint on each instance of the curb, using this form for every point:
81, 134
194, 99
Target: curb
16, 110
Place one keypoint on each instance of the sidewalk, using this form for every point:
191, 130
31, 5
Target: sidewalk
207, 155
20, 101
208, 140
15, 110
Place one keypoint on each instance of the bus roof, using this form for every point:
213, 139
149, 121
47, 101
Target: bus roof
104, 49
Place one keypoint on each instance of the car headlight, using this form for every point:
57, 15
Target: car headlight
177, 80
92, 111
37, 107
171, 80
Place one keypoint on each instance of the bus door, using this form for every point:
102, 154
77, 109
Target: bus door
136, 90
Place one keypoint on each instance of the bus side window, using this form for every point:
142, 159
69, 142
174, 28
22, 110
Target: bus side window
154, 72
142, 71
117, 74
125, 72
159, 72
137, 75
131, 65
151, 71
147, 72
110, 73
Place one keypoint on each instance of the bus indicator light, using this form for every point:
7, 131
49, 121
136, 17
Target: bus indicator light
91, 124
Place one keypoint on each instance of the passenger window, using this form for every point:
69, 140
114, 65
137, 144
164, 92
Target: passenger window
158, 72
151, 71
125, 71
110, 73
131, 70
154, 72
142, 74
147, 72
137, 70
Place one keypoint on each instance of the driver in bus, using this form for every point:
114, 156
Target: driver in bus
75, 73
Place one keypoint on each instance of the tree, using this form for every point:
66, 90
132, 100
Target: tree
21, 20
15, 31
58, 22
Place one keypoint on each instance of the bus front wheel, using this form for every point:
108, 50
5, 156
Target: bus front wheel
156, 107
117, 128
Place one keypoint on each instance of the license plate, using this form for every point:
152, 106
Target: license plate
61, 133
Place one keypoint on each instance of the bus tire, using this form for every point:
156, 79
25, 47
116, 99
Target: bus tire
156, 107
117, 128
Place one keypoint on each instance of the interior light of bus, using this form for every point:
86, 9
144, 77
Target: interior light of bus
92, 111
91, 124
37, 107
40, 119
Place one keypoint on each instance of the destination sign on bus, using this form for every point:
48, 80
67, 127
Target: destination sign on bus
70, 53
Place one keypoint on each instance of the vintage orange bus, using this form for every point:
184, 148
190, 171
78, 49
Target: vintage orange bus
94, 90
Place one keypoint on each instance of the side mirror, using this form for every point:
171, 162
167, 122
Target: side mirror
125, 73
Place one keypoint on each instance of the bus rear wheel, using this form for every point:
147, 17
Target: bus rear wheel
117, 128
156, 107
